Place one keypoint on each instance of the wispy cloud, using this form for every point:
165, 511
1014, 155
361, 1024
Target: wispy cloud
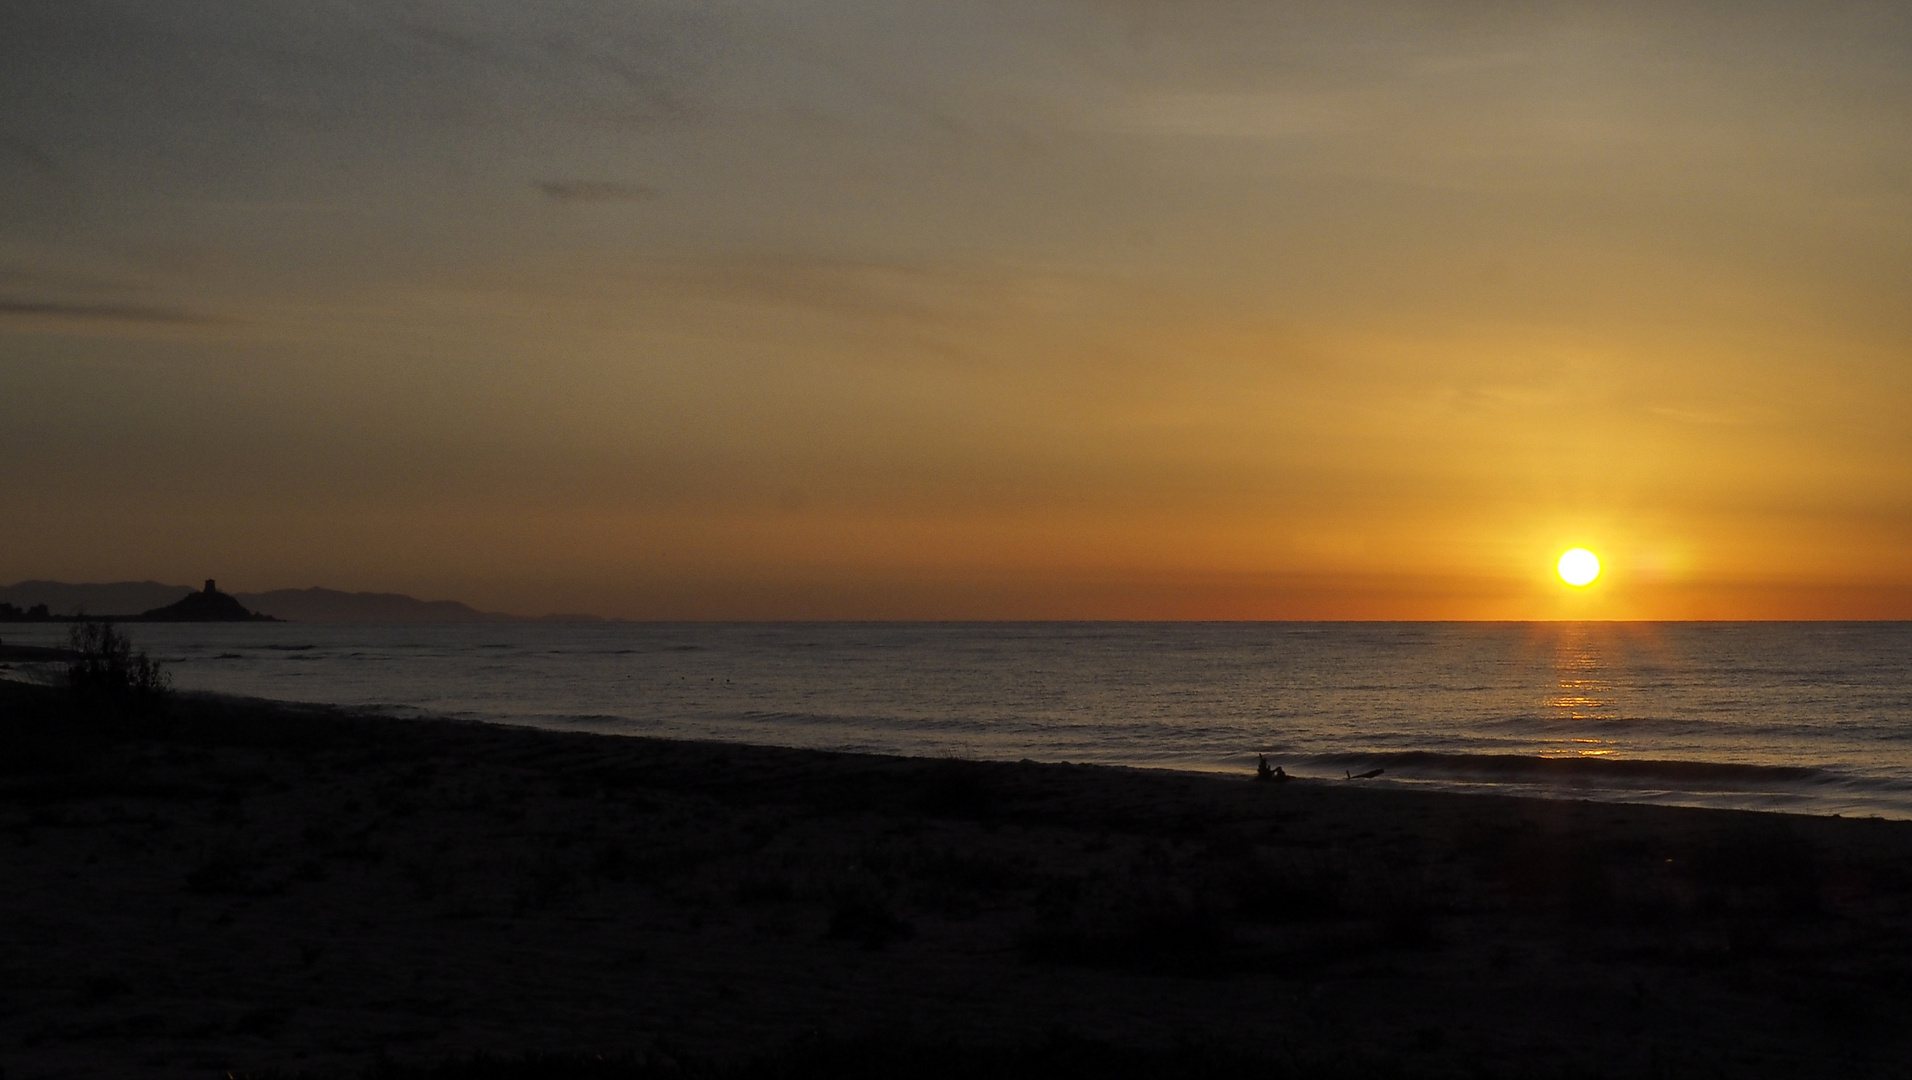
39, 281
1228, 116
590, 191
131, 313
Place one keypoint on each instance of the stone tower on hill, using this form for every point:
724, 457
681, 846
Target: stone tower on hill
210, 605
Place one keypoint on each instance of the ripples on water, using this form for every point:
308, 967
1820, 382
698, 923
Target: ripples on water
1813, 717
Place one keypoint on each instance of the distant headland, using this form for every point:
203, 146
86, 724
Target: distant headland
152, 601
206, 605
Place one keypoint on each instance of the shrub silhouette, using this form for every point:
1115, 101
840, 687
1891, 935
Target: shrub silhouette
106, 664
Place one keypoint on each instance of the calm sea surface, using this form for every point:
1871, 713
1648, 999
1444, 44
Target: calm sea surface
1806, 717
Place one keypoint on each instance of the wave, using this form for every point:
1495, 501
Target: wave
1718, 784
1594, 770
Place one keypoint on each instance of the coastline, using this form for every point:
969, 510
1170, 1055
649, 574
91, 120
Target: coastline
1719, 717
1722, 718
230, 885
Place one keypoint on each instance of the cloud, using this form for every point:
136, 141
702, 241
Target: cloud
22, 280
592, 191
260, 90
131, 313
599, 61
1229, 116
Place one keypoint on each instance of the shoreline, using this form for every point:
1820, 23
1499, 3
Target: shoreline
1393, 781
1745, 746
1606, 780
241, 885
1553, 779
1405, 785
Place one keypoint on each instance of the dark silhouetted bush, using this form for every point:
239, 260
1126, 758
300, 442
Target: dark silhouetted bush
107, 665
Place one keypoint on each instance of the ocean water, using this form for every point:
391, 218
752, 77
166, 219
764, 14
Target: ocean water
1800, 717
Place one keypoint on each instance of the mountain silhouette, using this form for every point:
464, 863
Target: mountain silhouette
313, 605
120, 598
316, 605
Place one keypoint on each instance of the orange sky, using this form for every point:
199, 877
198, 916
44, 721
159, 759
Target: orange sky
981, 310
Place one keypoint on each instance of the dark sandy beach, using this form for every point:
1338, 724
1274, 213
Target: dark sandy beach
219, 886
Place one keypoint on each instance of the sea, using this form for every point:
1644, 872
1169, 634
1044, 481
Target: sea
1812, 718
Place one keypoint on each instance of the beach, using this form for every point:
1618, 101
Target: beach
1797, 717
215, 885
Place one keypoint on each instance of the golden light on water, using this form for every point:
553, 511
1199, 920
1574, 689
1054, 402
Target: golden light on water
1578, 566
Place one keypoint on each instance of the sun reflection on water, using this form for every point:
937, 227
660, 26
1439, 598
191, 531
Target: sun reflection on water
1582, 691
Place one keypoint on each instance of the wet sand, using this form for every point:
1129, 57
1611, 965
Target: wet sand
224, 886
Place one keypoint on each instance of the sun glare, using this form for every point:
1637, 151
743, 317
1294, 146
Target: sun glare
1578, 566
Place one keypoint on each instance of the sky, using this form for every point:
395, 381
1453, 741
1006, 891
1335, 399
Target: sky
964, 310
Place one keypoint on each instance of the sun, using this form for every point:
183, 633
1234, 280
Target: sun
1578, 566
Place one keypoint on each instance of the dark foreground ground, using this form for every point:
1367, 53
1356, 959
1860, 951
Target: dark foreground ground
220, 887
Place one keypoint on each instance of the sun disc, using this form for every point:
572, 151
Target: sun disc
1578, 566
